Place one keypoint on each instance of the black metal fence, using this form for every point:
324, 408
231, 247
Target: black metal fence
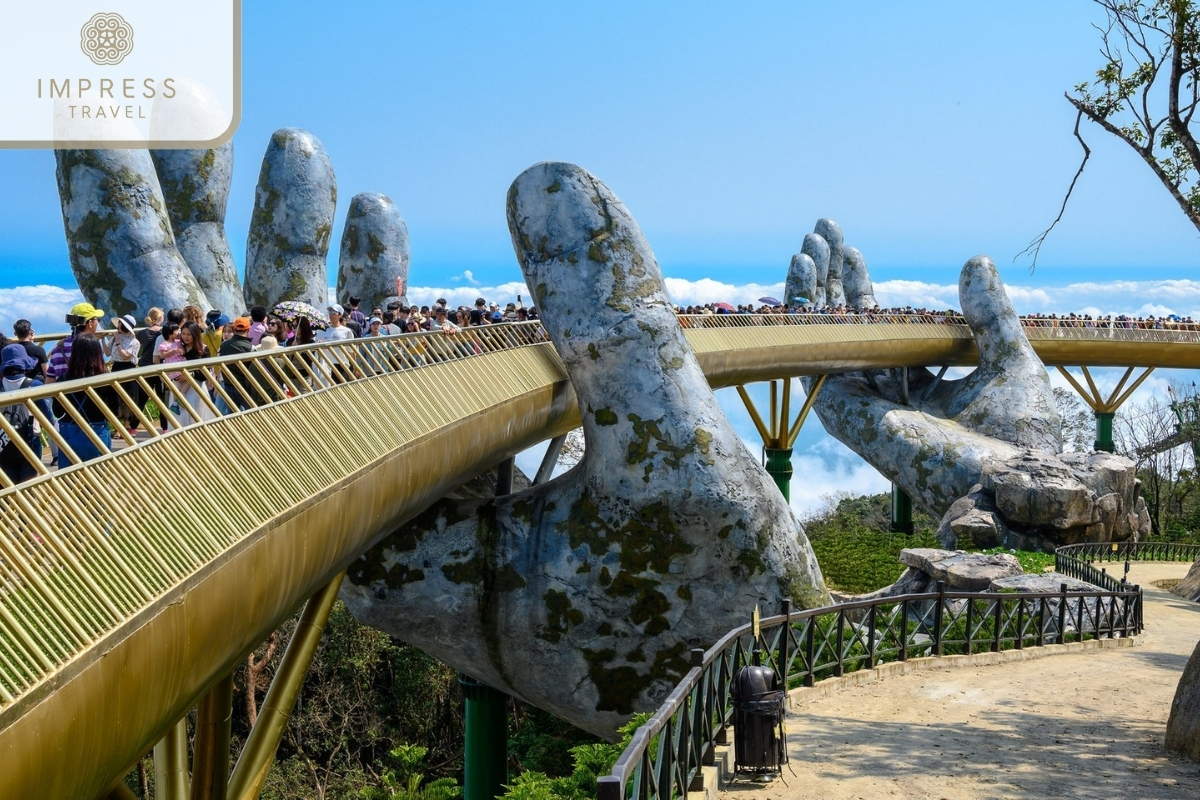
665, 756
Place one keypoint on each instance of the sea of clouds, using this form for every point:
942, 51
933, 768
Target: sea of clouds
823, 466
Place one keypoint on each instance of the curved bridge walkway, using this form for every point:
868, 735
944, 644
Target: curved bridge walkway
1079, 725
132, 583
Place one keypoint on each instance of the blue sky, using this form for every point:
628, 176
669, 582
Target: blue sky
931, 131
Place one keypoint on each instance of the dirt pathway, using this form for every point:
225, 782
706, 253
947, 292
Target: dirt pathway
1086, 725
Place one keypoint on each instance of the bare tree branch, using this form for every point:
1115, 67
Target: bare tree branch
1035, 247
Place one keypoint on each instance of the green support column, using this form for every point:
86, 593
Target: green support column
779, 467
901, 511
485, 756
1104, 436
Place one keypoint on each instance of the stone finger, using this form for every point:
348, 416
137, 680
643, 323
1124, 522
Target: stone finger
374, 251
119, 238
291, 223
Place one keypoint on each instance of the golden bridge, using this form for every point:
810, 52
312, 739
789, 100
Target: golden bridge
131, 585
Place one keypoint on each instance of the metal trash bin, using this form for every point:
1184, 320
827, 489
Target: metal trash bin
758, 704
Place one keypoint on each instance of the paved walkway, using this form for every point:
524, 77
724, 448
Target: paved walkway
1086, 725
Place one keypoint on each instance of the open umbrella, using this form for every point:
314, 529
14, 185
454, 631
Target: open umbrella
725, 306
801, 300
771, 301
293, 310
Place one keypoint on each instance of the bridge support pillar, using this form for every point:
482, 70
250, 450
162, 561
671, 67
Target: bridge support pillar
171, 764
902, 520
1104, 431
779, 467
1105, 408
778, 437
485, 755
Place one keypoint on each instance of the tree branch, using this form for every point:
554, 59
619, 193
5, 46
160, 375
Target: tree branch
1036, 245
1174, 118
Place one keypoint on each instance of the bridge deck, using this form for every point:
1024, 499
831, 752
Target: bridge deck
130, 583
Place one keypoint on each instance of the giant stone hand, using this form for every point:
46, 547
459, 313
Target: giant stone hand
984, 452
584, 595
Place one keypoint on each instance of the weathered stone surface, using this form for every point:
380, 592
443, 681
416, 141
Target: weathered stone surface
119, 238
195, 186
374, 251
996, 427
974, 572
831, 233
911, 581
801, 280
1009, 396
969, 572
817, 249
926, 560
661, 539
856, 280
980, 528
292, 222
1189, 587
1037, 583
1183, 725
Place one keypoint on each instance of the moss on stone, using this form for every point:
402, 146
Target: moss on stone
606, 416
618, 687
375, 247
560, 615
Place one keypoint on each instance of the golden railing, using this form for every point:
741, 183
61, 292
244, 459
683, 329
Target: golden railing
131, 583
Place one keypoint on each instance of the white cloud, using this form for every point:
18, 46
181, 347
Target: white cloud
44, 306
466, 277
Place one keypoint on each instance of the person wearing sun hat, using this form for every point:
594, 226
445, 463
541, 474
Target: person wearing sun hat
84, 318
123, 350
14, 364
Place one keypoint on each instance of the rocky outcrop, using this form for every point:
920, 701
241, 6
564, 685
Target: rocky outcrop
1183, 725
1189, 587
968, 572
661, 539
984, 452
195, 185
374, 252
119, 237
291, 223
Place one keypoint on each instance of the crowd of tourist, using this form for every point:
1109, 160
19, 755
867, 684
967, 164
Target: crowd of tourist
949, 316
177, 336
180, 335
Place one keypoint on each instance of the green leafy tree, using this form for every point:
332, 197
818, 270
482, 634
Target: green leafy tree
1145, 93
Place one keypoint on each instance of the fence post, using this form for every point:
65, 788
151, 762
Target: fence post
608, 787
1020, 622
785, 637
937, 618
871, 637
841, 622
1079, 622
1041, 637
1062, 614
997, 623
904, 630
810, 652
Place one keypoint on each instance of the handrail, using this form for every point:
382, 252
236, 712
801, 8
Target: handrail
698, 711
811, 645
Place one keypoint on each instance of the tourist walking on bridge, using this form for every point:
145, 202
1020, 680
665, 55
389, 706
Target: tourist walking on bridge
87, 361
84, 318
23, 331
15, 365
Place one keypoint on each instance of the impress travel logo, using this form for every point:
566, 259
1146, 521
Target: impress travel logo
107, 39
144, 74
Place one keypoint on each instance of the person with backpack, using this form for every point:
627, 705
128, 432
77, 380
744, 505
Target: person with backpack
14, 364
